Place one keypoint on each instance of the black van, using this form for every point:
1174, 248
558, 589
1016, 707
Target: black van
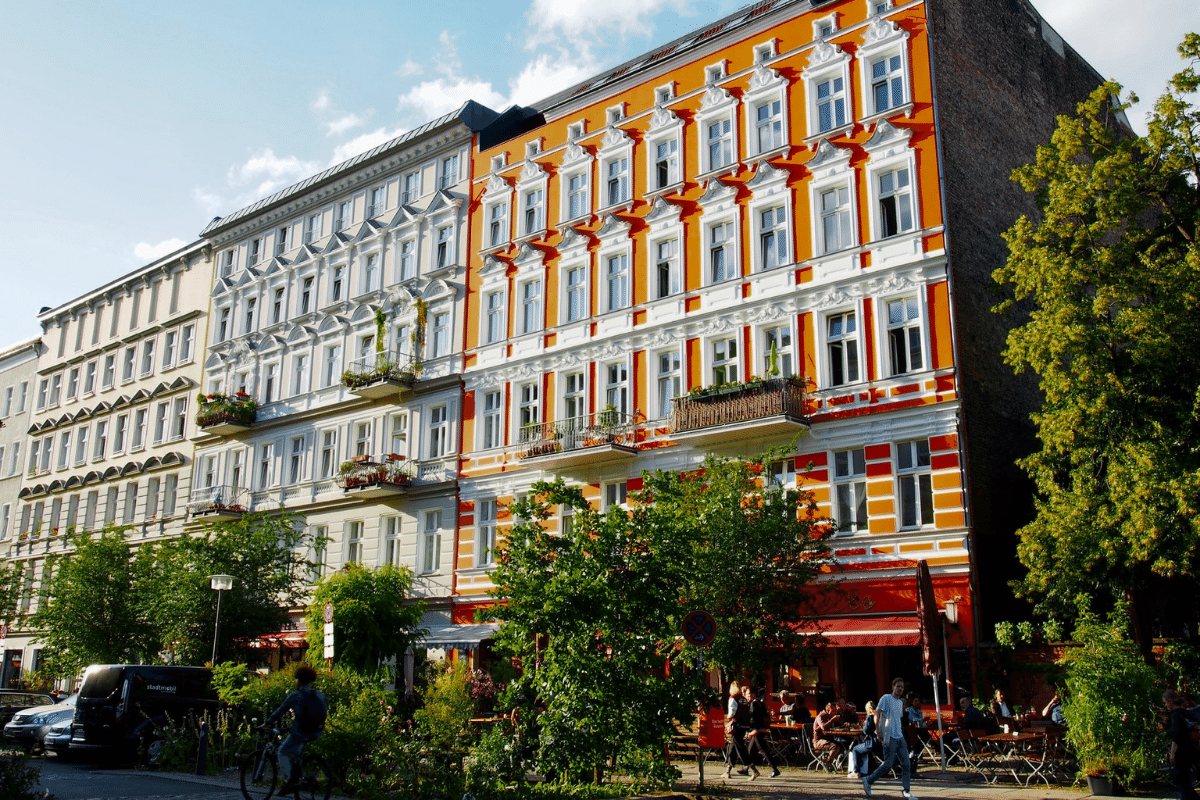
121, 706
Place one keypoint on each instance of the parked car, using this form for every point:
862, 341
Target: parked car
14, 700
122, 708
29, 727
58, 739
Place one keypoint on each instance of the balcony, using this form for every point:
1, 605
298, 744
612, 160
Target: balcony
381, 374
367, 479
218, 502
761, 408
224, 414
579, 441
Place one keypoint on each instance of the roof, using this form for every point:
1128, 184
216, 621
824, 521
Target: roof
474, 115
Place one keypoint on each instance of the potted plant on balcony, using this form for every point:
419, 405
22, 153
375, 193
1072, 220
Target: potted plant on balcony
240, 409
348, 475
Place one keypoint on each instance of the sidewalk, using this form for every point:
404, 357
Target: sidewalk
799, 782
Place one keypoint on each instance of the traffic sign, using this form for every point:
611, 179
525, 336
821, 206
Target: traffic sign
699, 628
328, 635
328, 612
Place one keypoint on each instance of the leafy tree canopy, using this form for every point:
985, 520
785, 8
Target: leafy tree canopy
594, 610
1110, 266
374, 615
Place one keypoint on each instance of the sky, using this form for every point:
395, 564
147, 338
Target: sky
127, 125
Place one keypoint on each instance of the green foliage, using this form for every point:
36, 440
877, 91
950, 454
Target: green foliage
1111, 268
230, 738
92, 613
1110, 705
10, 591
19, 778
593, 613
231, 682
374, 617
448, 707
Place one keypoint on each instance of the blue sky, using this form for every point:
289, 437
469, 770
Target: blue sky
128, 124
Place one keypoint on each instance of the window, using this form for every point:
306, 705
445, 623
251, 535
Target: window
441, 334
73, 383
148, 349
152, 486
372, 275
161, 412
720, 257
110, 505
887, 83
64, 449
277, 306
333, 365
497, 224
266, 463
916, 483
378, 203
904, 335
170, 492
724, 360
615, 494
616, 387
616, 181
222, 325
666, 268
14, 464
329, 462
47, 446
391, 541
281, 241
574, 397
56, 386
493, 425
668, 379
666, 163
485, 533
362, 439
445, 246
312, 231
8, 398
772, 238
448, 175
354, 545
82, 323
5, 513
577, 195
494, 309
577, 299
835, 219
720, 143
255, 252
408, 259
81, 445
131, 496
169, 342
895, 203
850, 490
529, 410
617, 282
119, 431
431, 542
139, 428
531, 211
101, 440
296, 460
179, 418
320, 534
399, 434
345, 215
299, 374
226, 270
768, 125
842, 343
335, 284
269, 379
412, 187
187, 339
831, 104
306, 295
43, 393
439, 432
778, 359
531, 306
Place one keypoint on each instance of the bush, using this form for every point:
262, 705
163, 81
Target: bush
19, 778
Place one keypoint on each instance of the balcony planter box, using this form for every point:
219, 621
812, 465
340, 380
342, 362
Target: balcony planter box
378, 376
222, 414
364, 478
765, 407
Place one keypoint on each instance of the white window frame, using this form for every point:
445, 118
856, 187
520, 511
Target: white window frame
666, 129
616, 150
485, 533
890, 152
575, 292
532, 307
786, 358
494, 325
717, 106
665, 226
770, 192
438, 443
617, 292
723, 363
767, 88
827, 62
497, 210
883, 40
913, 304
667, 380
491, 427
832, 172
851, 348
576, 164
915, 479
531, 192
720, 209
431, 541
848, 474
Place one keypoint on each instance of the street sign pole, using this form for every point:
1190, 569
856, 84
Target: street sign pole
328, 616
699, 629
700, 747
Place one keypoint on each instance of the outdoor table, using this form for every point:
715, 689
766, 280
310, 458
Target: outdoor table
1005, 750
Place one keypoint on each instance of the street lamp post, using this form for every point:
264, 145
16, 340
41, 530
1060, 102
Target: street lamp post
220, 583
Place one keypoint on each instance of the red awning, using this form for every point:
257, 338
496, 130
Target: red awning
286, 639
894, 630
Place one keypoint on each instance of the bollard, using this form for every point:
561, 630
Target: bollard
202, 750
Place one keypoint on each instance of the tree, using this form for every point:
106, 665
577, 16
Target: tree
92, 611
374, 616
594, 611
265, 554
1111, 267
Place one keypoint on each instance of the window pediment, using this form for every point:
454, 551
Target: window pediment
663, 212
612, 226
496, 186
765, 78
663, 118
767, 179
825, 55
573, 242
717, 193
532, 171
575, 154
715, 97
614, 137
829, 158
882, 31
887, 140
528, 259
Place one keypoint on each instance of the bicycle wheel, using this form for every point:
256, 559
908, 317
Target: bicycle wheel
259, 775
315, 781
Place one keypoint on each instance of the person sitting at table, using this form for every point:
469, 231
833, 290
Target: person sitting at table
1003, 713
792, 709
968, 718
760, 728
914, 727
826, 720
860, 754
1053, 711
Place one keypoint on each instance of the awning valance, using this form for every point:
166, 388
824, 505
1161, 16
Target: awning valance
891, 630
458, 637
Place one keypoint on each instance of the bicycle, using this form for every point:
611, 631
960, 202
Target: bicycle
260, 772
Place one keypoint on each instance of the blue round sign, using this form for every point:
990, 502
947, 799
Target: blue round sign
699, 628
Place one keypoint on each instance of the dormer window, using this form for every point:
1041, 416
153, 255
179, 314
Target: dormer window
714, 72
499, 162
764, 52
575, 131
614, 114
533, 148
664, 94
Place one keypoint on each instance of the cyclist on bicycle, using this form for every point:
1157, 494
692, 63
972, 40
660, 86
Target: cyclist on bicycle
310, 709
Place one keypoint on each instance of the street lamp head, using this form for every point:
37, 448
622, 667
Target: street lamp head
221, 583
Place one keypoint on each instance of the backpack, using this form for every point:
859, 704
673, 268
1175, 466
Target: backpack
311, 713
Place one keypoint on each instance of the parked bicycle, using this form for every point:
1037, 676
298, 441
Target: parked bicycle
260, 772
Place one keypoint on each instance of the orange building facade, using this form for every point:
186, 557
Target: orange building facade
732, 244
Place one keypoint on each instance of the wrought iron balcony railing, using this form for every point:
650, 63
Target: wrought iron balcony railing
576, 433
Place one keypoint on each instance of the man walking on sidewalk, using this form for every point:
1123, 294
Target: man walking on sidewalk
889, 715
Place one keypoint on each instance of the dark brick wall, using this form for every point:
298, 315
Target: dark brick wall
999, 86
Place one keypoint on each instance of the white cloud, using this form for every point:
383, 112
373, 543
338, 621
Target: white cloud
265, 173
321, 104
363, 143
150, 252
338, 126
586, 24
409, 68
544, 76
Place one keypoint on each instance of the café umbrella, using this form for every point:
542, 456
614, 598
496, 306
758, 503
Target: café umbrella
930, 627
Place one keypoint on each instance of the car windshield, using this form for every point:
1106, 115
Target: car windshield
100, 682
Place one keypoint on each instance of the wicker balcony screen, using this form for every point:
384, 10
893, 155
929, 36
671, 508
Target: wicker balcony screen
731, 405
